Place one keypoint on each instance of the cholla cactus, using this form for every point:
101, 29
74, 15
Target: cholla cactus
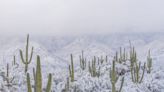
71, 69
114, 78
92, 69
26, 60
38, 79
82, 61
149, 63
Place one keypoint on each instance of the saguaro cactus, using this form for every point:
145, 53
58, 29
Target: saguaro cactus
38, 76
26, 60
38, 79
133, 60
149, 63
67, 86
14, 61
82, 61
106, 59
29, 88
123, 57
8, 79
135, 67
71, 69
101, 60
135, 71
48, 88
114, 78
92, 68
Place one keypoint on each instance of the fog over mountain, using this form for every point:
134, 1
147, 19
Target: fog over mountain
72, 17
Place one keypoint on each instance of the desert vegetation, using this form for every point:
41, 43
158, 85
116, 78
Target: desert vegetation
93, 67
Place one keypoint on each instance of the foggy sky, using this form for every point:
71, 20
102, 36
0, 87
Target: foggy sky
80, 16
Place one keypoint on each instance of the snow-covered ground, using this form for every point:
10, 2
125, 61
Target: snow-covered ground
55, 58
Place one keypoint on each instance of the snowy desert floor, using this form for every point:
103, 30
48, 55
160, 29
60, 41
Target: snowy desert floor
54, 52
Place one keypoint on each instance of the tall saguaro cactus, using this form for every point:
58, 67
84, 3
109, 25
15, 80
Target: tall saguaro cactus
135, 71
38, 76
135, 67
82, 61
29, 87
149, 63
123, 57
114, 78
26, 60
8, 79
71, 69
14, 61
92, 68
38, 79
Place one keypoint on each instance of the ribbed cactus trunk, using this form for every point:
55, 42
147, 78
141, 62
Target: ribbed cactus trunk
14, 61
82, 61
93, 68
149, 63
114, 78
48, 88
113, 87
106, 59
7, 75
26, 67
38, 79
29, 88
38, 76
71, 69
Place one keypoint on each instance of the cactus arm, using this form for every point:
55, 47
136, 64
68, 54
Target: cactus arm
7, 74
34, 75
149, 62
48, 88
71, 69
132, 72
31, 55
27, 48
122, 82
143, 73
21, 55
14, 61
28, 83
106, 59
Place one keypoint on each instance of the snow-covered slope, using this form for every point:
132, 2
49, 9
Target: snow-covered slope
55, 58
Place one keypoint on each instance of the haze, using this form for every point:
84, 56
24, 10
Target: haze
67, 17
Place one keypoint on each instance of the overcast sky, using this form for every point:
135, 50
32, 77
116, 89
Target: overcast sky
80, 16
